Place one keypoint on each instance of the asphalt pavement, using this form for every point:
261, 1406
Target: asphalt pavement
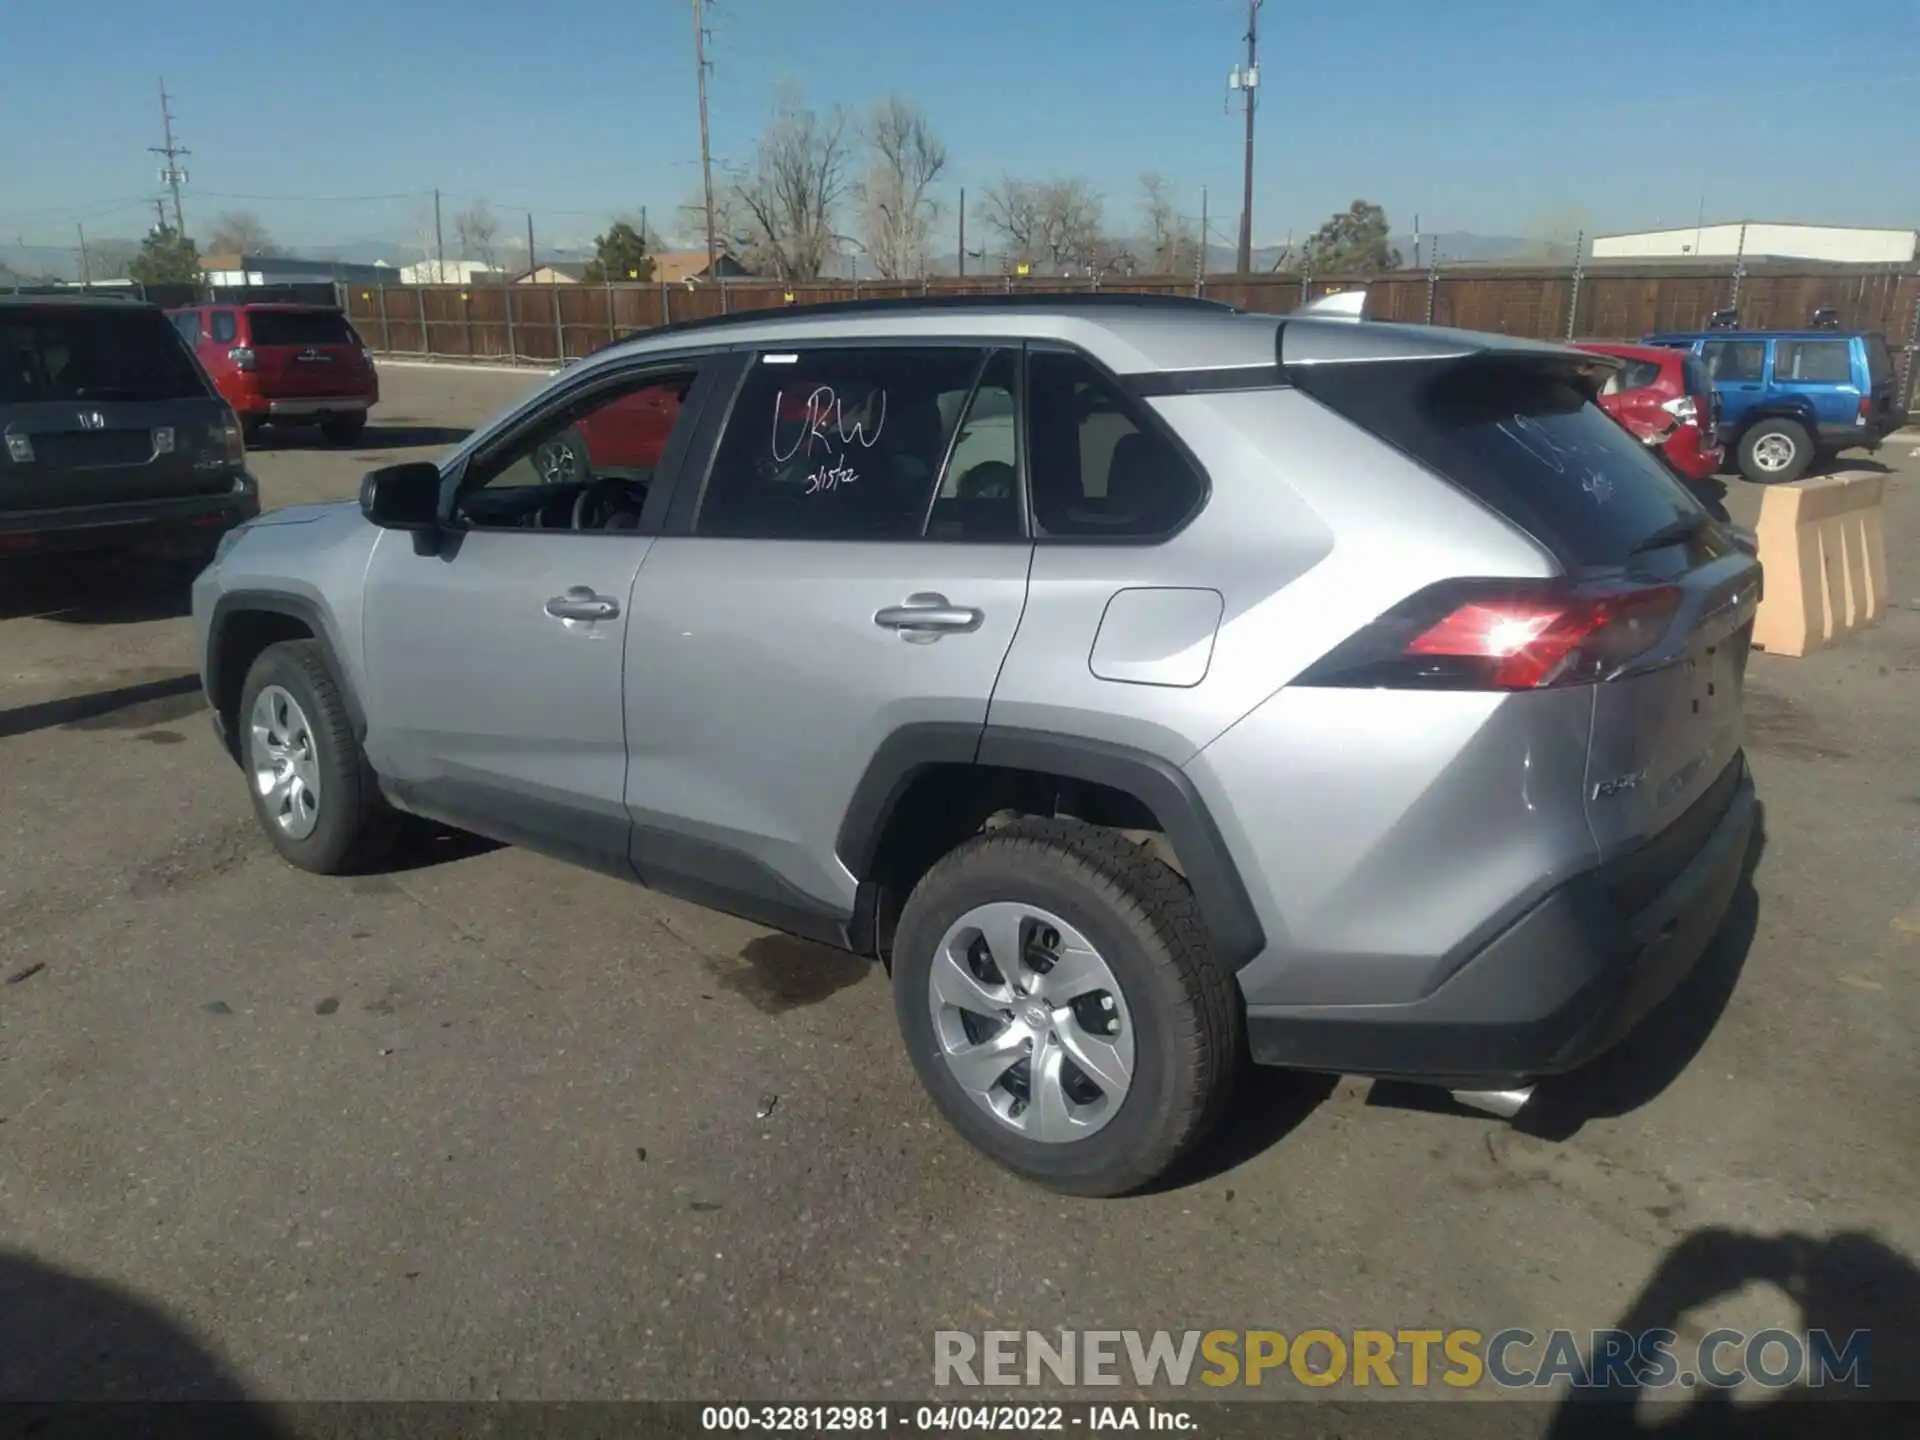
485, 1126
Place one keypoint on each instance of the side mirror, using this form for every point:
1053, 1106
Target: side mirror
402, 497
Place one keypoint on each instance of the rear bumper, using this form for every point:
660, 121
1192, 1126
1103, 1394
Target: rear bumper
1557, 988
316, 405
188, 522
1688, 451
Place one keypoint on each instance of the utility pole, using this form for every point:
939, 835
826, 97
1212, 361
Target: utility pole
171, 175
439, 243
86, 266
643, 229
1200, 261
700, 68
532, 263
1248, 81
963, 231
159, 213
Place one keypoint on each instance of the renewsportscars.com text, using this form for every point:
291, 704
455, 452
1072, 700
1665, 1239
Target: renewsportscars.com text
1508, 1359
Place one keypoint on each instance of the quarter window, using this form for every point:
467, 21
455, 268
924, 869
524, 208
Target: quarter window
1097, 470
223, 327
1819, 362
852, 444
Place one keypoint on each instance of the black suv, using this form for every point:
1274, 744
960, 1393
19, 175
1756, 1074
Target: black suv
111, 435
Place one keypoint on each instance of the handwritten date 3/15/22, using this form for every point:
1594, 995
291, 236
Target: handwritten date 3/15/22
831, 477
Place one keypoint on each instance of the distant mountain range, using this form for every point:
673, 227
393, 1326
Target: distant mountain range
33, 261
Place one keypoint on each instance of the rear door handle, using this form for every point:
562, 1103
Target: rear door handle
580, 603
928, 614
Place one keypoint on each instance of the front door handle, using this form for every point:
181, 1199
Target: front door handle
580, 603
928, 614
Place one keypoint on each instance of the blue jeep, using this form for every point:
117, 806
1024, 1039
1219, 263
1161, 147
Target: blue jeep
1788, 397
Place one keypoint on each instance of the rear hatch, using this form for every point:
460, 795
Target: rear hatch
301, 353
102, 404
1706, 399
1653, 610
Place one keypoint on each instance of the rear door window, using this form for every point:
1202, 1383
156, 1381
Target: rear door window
1736, 360
1524, 440
93, 353
224, 330
299, 327
1813, 362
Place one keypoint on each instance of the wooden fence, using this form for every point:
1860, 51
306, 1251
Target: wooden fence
547, 324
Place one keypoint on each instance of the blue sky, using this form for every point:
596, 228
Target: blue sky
1620, 113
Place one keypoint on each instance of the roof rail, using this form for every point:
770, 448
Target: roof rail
1011, 300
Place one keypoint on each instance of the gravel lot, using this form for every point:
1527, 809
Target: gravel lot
487, 1126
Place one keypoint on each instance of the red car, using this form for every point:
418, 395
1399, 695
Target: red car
1664, 398
285, 365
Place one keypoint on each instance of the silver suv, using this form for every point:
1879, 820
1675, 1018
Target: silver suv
1152, 686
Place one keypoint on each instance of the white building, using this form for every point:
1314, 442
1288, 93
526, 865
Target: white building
1759, 240
449, 272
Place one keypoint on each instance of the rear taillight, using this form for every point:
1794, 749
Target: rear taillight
1501, 635
367, 355
1866, 408
1683, 409
242, 357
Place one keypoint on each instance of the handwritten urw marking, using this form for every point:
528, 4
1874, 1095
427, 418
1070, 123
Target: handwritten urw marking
825, 419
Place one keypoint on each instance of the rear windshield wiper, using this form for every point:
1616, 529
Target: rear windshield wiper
1676, 531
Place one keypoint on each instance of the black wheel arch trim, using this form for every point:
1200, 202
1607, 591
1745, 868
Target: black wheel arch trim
294, 607
1232, 923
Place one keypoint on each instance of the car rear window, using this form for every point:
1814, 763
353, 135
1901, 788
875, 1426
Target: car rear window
1637, 374
299, 327
1879, 362
1521, 437
93, 353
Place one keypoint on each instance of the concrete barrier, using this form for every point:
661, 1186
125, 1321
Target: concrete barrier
1825, 553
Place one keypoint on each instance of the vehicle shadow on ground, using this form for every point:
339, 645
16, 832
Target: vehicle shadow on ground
65, 1338
1842, 1284
96, 589
127, 707
1654, 1054
424, 844
1268, 1105
400, 435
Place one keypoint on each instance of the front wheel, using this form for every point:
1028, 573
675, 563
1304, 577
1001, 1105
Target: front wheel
1775, 452
1058, 997
313, 792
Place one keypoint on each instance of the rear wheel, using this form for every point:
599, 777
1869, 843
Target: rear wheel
313, 791
1058, 997
343, 429
1775, 452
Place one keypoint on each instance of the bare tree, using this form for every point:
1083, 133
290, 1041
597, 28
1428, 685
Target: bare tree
789, 196
474, 228
1174, 248
896, 210
1049, 224
239, 232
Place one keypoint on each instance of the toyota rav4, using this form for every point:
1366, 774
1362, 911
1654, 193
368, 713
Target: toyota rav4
1152, 686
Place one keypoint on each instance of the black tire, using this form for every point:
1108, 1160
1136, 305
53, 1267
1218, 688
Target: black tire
250, 429
1774, 434
355, 827
343, 429
1189, 1032
564, 460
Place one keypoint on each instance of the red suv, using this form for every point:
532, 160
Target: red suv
1664, 398
285, 364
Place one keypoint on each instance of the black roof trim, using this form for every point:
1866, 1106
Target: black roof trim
1206, 382
1017, 300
